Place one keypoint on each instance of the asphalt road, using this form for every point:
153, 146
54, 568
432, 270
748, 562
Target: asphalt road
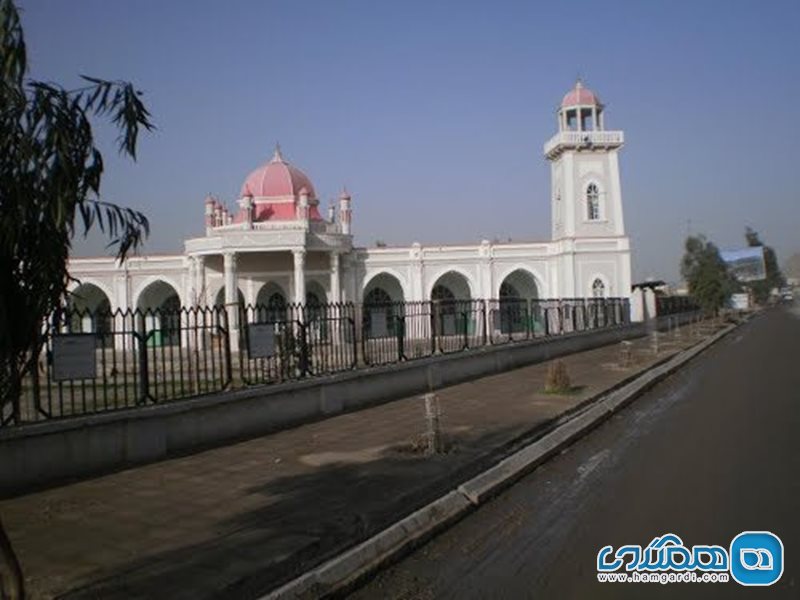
712, 451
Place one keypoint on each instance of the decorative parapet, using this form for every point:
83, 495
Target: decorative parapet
291, 225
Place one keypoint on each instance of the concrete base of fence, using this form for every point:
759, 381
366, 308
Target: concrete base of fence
44, 454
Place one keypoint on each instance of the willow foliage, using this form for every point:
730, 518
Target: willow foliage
50, 175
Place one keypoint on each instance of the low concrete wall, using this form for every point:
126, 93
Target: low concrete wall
46, 453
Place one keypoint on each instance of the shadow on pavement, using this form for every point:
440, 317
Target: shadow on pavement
302, 520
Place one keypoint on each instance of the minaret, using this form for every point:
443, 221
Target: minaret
210, 206
246, 210
345, 212
586, 197
303, 205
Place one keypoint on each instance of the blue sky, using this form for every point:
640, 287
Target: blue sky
434, 113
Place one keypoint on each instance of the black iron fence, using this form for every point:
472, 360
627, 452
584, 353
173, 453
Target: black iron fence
671, 305
99, 361
519, 319
399, 331
102, 361
296, 341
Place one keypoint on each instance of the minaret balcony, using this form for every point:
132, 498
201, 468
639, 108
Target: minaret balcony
583, 140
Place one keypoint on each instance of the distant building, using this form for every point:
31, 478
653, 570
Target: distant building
275, 246
791, 270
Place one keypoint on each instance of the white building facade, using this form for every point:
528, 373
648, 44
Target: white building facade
276, 247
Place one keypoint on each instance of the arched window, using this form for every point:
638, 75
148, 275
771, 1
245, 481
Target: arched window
377, 295
312, 300
275, 309
276, 301
441, 293
376, 302
598, 288
316, 312
444, 299
513, 309
593, 202
508, 291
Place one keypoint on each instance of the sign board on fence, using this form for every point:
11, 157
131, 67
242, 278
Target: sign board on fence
448, 324
74, 356
261, 340
377, 324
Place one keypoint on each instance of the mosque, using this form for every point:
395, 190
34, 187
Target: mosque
277, 247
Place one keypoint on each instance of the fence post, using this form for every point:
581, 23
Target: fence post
484, 322
228, 350
141, 347
464, 314
364, 336
353, 319
528, 317
244, 340
401, 336
37, 392
433, 312
304, 367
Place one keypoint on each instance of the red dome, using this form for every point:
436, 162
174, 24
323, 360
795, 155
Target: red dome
580, 96
277, 178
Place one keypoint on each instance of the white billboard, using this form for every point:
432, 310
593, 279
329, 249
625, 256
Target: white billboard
746, 264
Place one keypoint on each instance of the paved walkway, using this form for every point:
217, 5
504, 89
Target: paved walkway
241, 519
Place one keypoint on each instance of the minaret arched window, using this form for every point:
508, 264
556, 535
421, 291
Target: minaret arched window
592, 202
598, 288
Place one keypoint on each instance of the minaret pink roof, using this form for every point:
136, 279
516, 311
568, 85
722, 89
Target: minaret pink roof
580, 96
277, 178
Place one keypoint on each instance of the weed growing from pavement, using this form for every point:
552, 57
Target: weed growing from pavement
558, 381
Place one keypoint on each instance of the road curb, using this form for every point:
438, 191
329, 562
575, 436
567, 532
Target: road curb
345, 569
496, 478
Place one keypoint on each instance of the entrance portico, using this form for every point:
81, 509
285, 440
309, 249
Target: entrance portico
233, 276
278, 218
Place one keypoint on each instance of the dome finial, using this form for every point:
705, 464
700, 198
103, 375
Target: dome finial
277, 157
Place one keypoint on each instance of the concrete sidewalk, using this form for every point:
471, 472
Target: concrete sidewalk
239, 520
